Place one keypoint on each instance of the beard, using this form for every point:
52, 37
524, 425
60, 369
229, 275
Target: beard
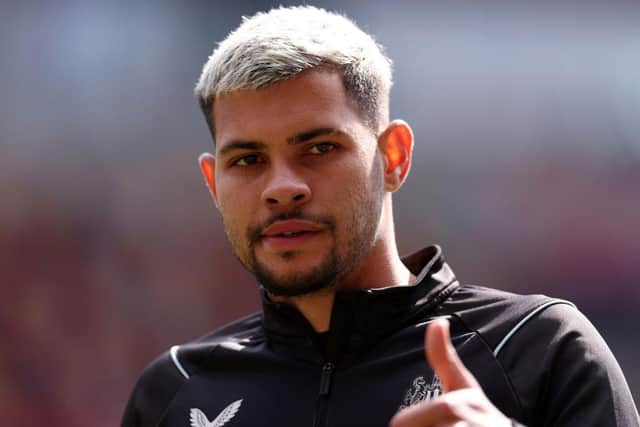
345, 254
295, 284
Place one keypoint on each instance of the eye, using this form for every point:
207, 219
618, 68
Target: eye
248, 160
322, 148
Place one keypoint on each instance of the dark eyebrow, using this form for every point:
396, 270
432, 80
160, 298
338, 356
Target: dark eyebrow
241, 145
296, 139
306, 136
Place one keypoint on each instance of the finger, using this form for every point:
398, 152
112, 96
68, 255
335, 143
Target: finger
444, 360
425, 414
464, 407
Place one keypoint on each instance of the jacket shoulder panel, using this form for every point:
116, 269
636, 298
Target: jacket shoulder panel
191, 357
565, 373
163, 378
494, 314
159, 382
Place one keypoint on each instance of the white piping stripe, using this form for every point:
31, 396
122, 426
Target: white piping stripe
174, 358
525, 320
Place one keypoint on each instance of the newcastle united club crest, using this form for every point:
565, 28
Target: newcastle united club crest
421, 390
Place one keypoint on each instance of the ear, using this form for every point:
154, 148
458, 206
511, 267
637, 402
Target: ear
396, 145
207, 164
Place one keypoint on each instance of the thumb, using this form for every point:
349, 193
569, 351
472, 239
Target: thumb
444, 360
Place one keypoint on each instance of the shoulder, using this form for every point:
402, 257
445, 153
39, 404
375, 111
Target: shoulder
153, 392
557, 363
578, 380
195, 356
162, 379
497, 315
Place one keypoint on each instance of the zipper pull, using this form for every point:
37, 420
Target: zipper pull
325, 379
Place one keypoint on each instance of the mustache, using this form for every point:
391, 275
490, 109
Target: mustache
254, 232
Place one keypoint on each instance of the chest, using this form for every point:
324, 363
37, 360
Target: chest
266, 390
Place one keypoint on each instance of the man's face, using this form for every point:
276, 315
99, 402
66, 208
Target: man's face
298, 181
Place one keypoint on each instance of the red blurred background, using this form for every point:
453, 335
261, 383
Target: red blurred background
526, 171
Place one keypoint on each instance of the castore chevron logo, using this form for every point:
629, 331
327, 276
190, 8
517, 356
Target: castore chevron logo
199, 419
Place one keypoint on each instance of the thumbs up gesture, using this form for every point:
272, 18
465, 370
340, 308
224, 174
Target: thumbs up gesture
463, 402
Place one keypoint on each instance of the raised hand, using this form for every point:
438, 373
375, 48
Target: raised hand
463, 402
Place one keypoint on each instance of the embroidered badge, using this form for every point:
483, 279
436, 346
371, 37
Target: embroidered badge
199, 419
420, 390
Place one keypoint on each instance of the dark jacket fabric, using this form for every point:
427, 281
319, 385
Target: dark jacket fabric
538, 359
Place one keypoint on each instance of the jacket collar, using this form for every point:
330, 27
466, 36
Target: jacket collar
370, 313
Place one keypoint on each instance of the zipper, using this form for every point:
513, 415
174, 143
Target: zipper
325, 379
320, 418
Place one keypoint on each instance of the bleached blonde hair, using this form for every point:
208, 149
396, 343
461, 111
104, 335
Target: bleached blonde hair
274, 46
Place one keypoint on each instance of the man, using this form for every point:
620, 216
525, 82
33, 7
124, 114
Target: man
306, 161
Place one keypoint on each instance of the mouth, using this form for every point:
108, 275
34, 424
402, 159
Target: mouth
290, 234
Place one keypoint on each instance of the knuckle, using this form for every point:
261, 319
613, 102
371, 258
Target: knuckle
447, 405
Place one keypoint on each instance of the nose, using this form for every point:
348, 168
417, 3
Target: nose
285, 188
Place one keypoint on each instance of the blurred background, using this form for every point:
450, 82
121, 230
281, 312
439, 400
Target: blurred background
526, 171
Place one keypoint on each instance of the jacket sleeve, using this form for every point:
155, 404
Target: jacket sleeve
565, 375
152, 394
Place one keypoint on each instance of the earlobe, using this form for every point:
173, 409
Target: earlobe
207, 164
396, 143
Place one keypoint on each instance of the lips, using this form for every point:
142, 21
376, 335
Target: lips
290, 234
290, 228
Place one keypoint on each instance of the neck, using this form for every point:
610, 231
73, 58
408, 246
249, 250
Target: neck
382, 267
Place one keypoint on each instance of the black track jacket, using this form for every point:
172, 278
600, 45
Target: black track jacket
538, 359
